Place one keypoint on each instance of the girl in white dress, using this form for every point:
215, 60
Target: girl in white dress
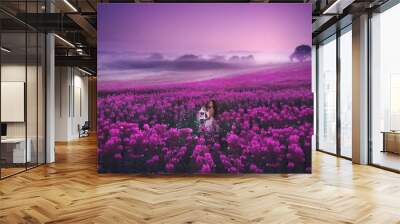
211, 124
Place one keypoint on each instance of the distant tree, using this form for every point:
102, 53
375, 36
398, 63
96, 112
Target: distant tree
188, 57
301, 53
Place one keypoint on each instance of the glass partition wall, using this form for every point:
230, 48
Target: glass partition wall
345, 91
385, 89
22, 78
13, 89
334, 93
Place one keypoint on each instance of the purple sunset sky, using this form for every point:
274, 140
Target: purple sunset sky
206, 28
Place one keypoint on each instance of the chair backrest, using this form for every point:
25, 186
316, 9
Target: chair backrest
86, 125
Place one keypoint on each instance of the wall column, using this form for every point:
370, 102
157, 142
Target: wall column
50, 98
360, 90
50, 92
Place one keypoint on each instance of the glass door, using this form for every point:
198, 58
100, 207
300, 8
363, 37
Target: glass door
327, 96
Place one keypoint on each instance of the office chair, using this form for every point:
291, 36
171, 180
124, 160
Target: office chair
84, 130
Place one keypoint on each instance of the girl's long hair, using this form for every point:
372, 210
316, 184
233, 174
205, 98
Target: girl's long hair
214, 106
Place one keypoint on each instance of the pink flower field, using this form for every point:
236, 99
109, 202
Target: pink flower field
265, 121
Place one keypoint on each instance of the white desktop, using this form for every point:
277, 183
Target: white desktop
18, 145
18, 149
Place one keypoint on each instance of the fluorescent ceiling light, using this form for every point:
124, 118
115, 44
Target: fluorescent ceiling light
5, 50
331, 7
84, 71
338, 6
65, 41
70, 5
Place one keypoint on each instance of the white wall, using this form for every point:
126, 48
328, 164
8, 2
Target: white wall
62, 82
9, 73
79, 110
17, 73
71, 102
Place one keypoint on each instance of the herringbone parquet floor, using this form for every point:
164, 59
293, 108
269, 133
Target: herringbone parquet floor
71, 191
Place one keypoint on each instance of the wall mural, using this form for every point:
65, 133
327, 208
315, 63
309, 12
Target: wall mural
204, 88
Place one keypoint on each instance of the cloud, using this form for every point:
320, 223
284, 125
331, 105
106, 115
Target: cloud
200, 65
155, 57
242, 59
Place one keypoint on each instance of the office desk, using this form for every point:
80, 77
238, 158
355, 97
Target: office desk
391, 141
16, 147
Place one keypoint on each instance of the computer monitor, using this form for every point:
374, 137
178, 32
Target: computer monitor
3, 129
